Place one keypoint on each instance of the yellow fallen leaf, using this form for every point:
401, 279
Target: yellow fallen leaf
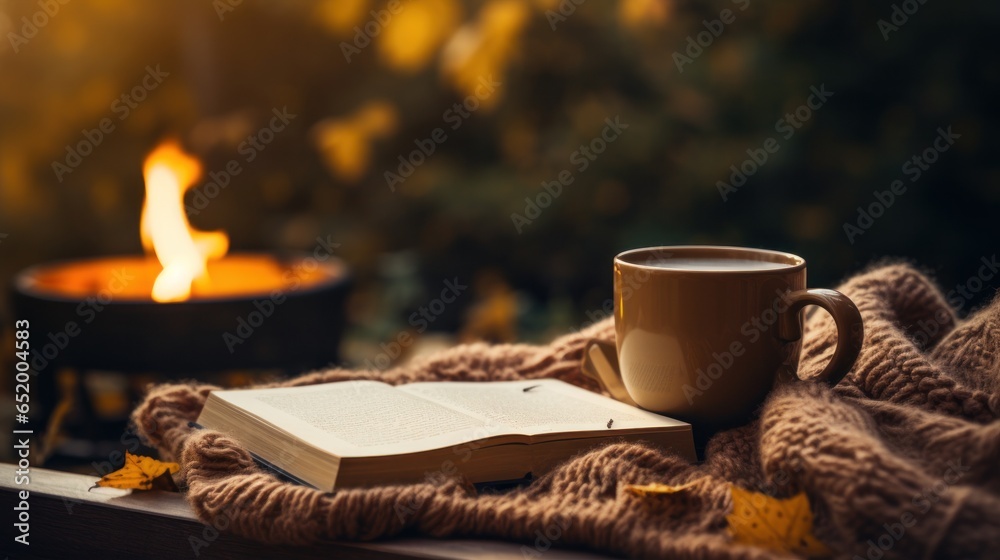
783, 525
138, 473
658, 489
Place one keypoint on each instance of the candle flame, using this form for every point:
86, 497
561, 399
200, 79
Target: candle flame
182, 251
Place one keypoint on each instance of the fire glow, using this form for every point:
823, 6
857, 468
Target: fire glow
181, 264
183, 251
164, 311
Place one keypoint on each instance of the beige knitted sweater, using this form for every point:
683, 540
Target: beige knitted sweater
901, 460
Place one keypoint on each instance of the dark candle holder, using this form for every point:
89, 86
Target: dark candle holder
96, 314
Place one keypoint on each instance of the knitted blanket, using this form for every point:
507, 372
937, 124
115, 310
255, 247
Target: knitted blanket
900, 460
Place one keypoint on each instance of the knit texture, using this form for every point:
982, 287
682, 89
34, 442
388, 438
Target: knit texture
901, 456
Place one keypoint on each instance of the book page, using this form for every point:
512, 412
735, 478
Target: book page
538, 406
359, 418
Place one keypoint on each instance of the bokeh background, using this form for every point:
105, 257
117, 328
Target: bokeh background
362, 98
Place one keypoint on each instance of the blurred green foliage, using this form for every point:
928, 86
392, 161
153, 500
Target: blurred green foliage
560, 77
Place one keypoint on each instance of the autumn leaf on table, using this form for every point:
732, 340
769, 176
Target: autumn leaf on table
141, 473
666, 499
658, 489
773, 523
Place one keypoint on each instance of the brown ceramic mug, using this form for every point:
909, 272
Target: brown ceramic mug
704, 333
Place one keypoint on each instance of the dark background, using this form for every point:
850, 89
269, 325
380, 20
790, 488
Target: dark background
656, 185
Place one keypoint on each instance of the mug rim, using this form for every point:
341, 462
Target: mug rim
792, 261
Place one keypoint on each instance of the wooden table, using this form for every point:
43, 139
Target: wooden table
67, 521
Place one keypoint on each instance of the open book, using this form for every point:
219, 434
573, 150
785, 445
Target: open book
360, 433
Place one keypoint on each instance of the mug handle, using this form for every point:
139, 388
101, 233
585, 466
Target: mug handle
600, 363
850, 328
